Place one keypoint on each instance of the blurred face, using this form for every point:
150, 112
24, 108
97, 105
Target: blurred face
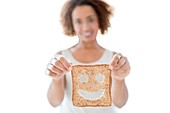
85, 23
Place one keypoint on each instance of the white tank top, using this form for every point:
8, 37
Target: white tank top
67, 106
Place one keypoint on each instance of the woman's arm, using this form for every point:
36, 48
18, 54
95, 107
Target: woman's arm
119, 93
57, 69
120, 69
56, 92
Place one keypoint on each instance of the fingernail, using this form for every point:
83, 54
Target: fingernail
53, 61
58, 56
47, 72
49, 66
119, 56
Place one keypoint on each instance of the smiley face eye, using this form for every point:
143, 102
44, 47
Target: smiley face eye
100, 78
83, 78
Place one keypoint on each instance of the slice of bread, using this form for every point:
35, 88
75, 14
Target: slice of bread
91, 85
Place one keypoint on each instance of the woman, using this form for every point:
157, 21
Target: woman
84, 18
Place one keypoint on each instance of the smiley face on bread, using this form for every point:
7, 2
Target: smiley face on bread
91, 85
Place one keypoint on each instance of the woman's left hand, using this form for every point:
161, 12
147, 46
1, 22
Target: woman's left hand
120, 66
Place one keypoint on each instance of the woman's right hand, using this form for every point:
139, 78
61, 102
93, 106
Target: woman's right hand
58, 67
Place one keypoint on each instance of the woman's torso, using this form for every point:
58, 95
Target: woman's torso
67, 106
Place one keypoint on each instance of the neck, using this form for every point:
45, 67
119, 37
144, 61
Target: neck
88, 45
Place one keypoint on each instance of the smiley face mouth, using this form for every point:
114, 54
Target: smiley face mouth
91, 95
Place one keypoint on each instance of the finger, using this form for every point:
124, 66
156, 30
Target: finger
121, 62
65, 63
124, 70
115, 60
52, 61
126, 65
54, 69
50, 73
58, 56
59, 65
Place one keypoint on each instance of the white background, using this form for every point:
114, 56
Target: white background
30, 34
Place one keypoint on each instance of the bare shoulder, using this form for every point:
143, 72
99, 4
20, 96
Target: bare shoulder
60, 52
